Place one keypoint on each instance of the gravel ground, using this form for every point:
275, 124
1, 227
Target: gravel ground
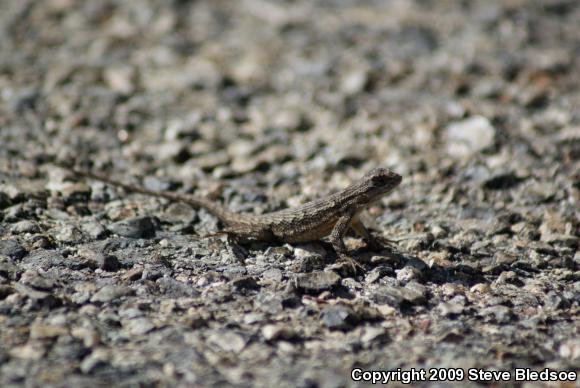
264, 105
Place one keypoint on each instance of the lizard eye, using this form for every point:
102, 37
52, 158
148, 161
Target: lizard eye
383, 178
379, 180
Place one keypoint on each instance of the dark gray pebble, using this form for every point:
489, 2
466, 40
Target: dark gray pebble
139, 227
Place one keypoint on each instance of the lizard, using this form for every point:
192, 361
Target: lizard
332, 216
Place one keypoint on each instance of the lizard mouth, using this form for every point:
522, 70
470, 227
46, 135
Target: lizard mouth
378, 194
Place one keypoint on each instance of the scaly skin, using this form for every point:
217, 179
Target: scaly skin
332, 216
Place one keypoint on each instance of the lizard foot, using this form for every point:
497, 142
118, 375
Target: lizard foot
373, 243
237, 249
355, 265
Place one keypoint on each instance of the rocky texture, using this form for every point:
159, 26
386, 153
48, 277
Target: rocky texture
263, 105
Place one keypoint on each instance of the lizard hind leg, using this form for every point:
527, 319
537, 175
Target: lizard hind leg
219, 233
233, 243
238, 234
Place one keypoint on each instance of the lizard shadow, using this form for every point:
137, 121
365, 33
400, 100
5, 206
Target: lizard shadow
386, 260
389, 260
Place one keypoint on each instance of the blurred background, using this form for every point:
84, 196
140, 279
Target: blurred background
234, 86
475, 103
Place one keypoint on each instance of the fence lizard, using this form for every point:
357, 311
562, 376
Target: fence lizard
332, 216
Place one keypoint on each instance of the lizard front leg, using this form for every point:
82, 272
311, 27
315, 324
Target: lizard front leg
336, 239
360, 229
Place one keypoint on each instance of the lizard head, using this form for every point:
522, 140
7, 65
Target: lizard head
380, 181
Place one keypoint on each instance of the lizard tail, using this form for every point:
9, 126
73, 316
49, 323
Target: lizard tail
221, 212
